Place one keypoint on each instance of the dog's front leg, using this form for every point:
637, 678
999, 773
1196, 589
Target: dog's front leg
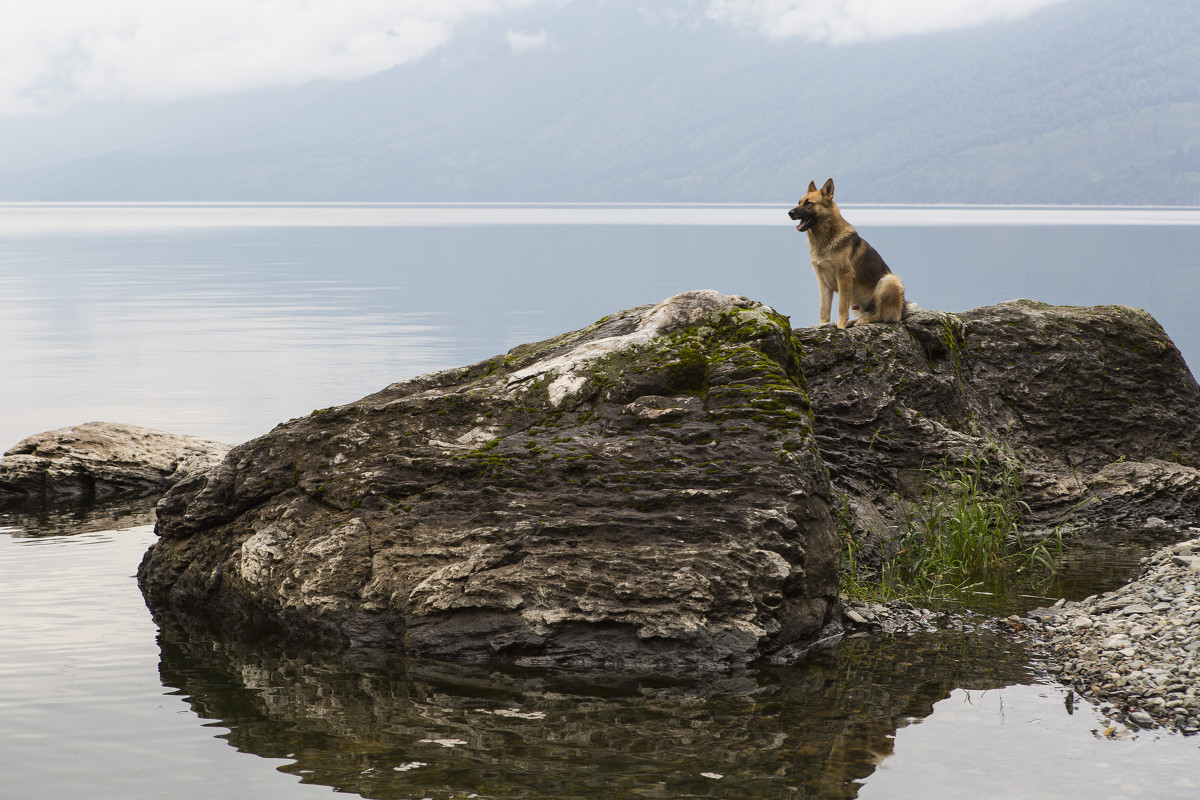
845, 289
826, 303
826, 288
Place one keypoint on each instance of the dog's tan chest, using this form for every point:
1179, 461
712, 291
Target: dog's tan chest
827, 267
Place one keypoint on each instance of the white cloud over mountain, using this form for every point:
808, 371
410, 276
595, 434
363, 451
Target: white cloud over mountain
521, 41
57, 52
53, 52
849, 21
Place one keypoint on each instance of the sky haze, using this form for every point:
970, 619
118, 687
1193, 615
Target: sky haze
1044, 101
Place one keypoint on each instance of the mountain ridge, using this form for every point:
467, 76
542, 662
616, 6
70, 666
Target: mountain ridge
1081, 102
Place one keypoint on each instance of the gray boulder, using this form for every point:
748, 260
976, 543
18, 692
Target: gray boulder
1095, 406
655, 490
645, 492
99, 461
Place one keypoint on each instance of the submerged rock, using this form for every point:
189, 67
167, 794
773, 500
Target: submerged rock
644, 492
99, 461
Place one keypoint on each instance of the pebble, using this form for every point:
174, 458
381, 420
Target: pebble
892, 617
1135, 651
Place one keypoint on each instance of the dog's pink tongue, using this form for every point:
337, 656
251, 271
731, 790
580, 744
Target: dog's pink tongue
800, 227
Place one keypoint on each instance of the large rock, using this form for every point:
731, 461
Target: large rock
646, 491
99, 461
1094, 406
655, 489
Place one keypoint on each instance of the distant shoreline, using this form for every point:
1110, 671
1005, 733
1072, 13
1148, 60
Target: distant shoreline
34, 218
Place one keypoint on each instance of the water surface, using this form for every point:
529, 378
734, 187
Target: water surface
223, 320
98, 702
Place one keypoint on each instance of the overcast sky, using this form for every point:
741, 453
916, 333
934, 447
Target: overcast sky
57, 52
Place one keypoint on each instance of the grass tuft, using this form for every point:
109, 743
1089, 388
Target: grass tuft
964, 536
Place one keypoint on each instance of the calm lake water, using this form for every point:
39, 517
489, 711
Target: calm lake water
221, 321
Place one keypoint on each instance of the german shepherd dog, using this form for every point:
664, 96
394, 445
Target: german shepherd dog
845, 264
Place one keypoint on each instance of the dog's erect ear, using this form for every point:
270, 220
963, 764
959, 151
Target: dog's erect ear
812, 186
827, 189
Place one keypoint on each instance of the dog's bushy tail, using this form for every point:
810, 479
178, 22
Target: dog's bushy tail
890, 292
886, 304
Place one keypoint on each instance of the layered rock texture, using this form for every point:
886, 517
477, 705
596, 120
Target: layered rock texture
644, 492
1094, 405
666, 487
100, 461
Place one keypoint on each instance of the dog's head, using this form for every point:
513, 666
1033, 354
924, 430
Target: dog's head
815, 204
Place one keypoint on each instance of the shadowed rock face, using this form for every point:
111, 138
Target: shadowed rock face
646, 491
100, 461
1093, 404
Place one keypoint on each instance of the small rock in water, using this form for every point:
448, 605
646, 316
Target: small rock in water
1141, 719
855, 617
101, 461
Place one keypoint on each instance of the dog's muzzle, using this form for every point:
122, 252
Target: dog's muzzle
805, 218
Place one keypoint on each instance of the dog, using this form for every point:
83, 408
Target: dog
845, 264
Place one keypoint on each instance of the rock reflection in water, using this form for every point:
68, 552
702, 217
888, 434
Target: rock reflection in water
70, 519
385, 727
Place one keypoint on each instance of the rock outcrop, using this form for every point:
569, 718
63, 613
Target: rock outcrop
645, 492
100, 461
656, 489
1095, 406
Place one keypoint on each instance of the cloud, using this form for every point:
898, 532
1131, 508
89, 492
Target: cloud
55, 52
849, 21
520, 42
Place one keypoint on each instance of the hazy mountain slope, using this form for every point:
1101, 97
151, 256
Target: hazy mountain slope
1090, 101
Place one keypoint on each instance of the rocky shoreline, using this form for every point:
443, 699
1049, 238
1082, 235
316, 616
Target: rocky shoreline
1135, 651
